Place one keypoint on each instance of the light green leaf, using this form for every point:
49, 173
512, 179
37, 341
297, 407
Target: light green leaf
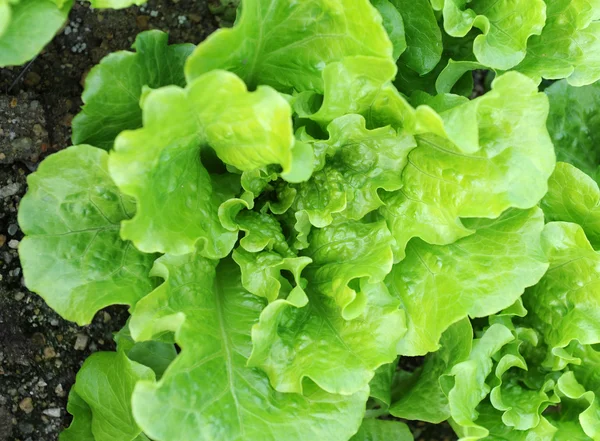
423, 35
393, 24
115, 4
380, 430
351, 86
466, 386
72, 254
292, 343
564, 305
585, 404
506, 26
422, 398
208, 392
574, 125
29, 27
477, 276
262, 274
490, 418
261, 230
452, 74
287, 44
569, 46
574, 197
522, 406
160, 164
81, 426
105, 383
360, 162
342, 255
381, 383
113, 88
474, 160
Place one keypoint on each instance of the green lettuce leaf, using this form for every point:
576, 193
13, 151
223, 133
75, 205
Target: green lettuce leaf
287, 45
503, 258
262, 274
113, 88
72, 254
393, 24
465, 384
115, 4
423, 35
360, 162
81, 426
564, 306
160, 164
208, 392
574, 197
101, 398
343, 255
381, 384
422, 397
474, 160
506, 26
27, 26
292, 343
574, 125
381, 430
569, 45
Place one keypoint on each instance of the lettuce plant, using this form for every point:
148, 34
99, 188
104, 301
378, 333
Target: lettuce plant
298, 201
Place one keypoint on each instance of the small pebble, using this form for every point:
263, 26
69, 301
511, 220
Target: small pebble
49, 353
12, 229
2, 239
81, 342
59, 390
53, 412
14, 244
19, 296
26, 405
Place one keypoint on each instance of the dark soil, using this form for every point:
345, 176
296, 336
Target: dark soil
40, 353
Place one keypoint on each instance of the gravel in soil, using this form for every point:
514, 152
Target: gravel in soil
40, 353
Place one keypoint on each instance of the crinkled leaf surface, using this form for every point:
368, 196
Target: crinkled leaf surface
316, 342
208, 392
287, 44
466, 386
113, 88
565, 303
381, 430
160, 164
262, 273
29, 26
105, 384
569, 45
506, 26
72, 254
423, 397
574, 197
574, 125
476, 276
360, 162
342, 255
474, 160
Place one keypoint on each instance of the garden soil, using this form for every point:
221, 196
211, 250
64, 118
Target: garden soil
40, 353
